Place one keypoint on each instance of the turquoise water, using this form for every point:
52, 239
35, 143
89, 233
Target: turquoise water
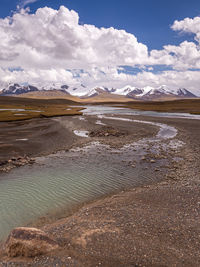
62, 181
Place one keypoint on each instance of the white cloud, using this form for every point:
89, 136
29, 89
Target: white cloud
24, 3
188, 25
52, 46
173, 79
187, 54
182, 57
37, 76
55, 38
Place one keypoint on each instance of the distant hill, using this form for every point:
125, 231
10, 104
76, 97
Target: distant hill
81, 92
51, 94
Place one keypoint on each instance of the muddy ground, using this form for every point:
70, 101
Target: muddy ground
39, 137
155, 225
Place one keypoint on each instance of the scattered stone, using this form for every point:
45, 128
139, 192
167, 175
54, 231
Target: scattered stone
6, 166
31, 161
28, 242
106, 132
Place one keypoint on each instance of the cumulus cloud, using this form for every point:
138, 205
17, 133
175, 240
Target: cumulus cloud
52, 46
188, 25
111, 77
55, 37
182, 57
187, 54
37, 76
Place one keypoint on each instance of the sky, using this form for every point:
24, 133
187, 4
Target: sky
101, 43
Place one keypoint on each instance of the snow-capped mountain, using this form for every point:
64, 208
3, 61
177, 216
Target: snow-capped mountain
96, 91
18, 89
184, 92
148, 92
77, 90
80, 90
126, 90
161, 91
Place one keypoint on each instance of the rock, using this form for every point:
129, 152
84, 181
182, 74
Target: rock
106, 132
31, 161
152, 161
29, 242
23, 160
18, 163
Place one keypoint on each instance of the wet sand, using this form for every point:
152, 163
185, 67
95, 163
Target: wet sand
32, 138
41, 137
155, 225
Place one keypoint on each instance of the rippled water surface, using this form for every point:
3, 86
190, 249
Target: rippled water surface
66, 179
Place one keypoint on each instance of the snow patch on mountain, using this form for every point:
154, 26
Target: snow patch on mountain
15, 88
124, 91
83, 91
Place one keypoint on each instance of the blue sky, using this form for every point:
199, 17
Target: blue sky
57, 42
148, 20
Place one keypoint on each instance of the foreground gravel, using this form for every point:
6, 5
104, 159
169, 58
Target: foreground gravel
155, 225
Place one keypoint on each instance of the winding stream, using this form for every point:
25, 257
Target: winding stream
66, 179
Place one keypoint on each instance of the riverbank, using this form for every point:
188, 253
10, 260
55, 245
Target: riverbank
155, 225
22, 141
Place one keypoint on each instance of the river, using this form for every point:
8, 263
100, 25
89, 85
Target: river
65, 180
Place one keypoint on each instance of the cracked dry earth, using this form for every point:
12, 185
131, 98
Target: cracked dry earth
154, 225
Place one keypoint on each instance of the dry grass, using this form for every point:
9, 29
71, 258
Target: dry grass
53, 94
66, 107
184, 105
22, 109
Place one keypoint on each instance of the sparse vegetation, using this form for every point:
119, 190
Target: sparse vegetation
15, 109
184, 105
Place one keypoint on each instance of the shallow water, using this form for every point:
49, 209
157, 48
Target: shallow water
18, 109
165, 131
81, 133
95, 110
66, 179
12, 109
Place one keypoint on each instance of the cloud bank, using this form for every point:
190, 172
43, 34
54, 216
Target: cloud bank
52, 46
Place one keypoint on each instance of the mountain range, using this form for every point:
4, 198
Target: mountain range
81, 91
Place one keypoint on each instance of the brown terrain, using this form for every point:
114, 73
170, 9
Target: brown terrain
182, 105
101, 98
154, 225
162, 104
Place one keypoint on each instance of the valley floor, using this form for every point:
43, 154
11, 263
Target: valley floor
153, 225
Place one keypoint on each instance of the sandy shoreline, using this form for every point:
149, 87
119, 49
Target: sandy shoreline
155, 225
